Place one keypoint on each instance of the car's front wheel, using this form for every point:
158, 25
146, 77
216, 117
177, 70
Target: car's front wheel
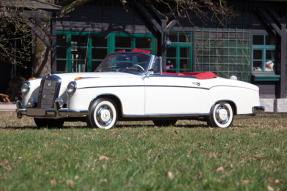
50, 123
221, 115
103, 114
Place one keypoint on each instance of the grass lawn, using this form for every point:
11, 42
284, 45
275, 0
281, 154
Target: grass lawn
250, 155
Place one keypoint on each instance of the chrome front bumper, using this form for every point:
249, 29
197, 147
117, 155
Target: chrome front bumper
54, 113
258, 109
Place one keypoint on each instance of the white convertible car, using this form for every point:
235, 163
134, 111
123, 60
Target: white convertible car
132, 86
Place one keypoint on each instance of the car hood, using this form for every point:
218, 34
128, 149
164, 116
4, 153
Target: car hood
72, 76
66, 78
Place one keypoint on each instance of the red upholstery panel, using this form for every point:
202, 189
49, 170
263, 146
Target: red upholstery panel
198, 75
121, 51
141, 50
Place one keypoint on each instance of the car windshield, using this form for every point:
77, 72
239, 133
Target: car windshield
125, 62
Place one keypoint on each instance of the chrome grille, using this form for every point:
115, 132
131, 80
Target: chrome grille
49, 91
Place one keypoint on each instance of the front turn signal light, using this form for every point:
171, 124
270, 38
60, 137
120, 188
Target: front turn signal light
78, 78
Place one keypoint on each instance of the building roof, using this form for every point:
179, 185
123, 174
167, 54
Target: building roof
31, 4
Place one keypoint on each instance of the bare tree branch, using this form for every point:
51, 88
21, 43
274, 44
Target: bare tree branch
205, 10
15, 38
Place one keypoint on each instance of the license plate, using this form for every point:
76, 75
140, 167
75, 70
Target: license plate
36, 112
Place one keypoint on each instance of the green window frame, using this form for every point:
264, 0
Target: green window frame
66, 61
263, 54
179, 53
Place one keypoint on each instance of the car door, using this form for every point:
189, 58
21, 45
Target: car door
178, 95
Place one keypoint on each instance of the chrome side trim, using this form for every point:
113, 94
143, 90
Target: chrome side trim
166, 115
258, 109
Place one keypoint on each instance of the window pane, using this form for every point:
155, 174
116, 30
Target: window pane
184, 64
143, 42
269, 66
77, 40
257, 54
268, 40
257, 66
171, 65
61, 66
61, 40
100, 41
269, 55
61, 52
99, 53
171, 52
124, 42
258, 39
79, 53
78, 65
172, 37
184, 52
184, 37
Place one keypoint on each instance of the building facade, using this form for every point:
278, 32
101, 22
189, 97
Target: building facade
252, 46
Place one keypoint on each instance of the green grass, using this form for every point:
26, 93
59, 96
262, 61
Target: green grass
250, 155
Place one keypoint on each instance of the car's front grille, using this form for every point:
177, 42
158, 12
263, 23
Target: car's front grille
49, 91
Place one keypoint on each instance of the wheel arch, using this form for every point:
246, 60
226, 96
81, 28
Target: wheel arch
232, 104
114, 98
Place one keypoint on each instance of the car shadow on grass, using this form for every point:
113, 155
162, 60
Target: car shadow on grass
127, 125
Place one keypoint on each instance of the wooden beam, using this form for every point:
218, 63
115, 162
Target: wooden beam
39, 14
156, 15
149, 18
39, 34
170, 25
53, 47
163, 49
41, 26
275, 16
266, 24
283, 58
272, 23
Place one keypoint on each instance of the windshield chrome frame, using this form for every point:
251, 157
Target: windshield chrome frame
150, 64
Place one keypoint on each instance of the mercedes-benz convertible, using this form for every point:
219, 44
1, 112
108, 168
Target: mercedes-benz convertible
132, 86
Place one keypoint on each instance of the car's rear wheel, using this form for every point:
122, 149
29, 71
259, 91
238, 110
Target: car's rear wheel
50, 123
103, 114
221, 115
164, 123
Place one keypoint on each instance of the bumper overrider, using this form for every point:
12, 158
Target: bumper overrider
258, 109
54, 113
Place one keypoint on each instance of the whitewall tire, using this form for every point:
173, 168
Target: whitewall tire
221, 115
103, 114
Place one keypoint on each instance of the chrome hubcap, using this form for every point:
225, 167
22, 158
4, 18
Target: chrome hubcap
104, 115
222, 115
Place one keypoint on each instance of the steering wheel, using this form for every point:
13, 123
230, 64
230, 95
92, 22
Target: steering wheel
139, 66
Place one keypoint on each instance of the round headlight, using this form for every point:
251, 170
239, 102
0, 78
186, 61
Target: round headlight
71, 88
60, 101
25, 87
31, 102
